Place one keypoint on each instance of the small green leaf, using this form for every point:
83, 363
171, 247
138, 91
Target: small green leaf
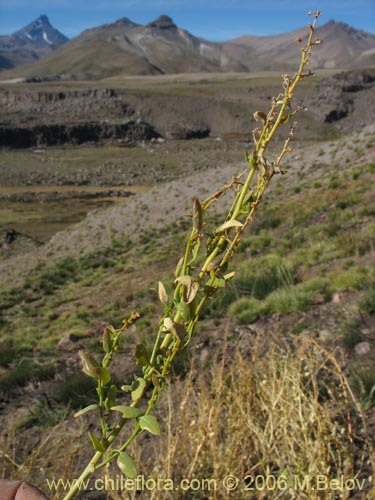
111, 397
285, 119
86, 410
107, 341
126, 388
229, 276
249, 158
98, 446
141, 355
185, 311
149, 423
127, 411
126, 465
196, 248
88, 363
215, 282
179, 266
220, 282
102, 374
138, 388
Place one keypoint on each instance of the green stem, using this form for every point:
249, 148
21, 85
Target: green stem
155, 349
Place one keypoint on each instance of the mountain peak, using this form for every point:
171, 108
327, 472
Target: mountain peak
163, 23
39, 33
43, 19
125, 21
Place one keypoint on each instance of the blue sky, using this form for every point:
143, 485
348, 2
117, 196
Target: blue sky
215, 20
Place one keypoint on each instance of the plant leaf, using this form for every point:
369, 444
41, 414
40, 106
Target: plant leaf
102, 374
141, 355
261, 115
228, 225
138, 388
128, 411
88, 363
168, 325
185, 311
179, 266
196, 248
86, 410
126, 465
184, 280
191, 292
149, 423
98, 446
197, 215
107, 341
111, 397
126, 388
229, 276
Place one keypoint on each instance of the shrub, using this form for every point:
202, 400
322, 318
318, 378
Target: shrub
368, 303
246, 311
269, 274
286, 300
8, 352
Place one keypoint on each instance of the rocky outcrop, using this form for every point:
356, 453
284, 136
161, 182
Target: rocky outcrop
345, 99
79, 105
32, 196
12, 99
51, 135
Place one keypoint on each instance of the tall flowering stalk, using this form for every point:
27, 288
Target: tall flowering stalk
201, 271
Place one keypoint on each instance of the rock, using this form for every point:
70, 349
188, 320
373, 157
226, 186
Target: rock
10, 236
67, 341
362, 348
57, 134
204, 354
319, 299
336, 299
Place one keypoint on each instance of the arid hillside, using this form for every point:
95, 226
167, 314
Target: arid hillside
99, 183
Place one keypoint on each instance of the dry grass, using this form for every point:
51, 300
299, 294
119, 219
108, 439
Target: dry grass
281, 410
278, 412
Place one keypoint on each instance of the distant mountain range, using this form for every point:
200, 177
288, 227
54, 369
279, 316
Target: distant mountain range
161, 47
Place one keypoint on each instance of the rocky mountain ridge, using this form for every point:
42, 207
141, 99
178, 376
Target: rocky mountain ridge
30, 43
161, 47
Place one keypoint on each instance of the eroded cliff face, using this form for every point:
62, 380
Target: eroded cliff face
46, 114
34, 118
79, 102
51, 135
346, 100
